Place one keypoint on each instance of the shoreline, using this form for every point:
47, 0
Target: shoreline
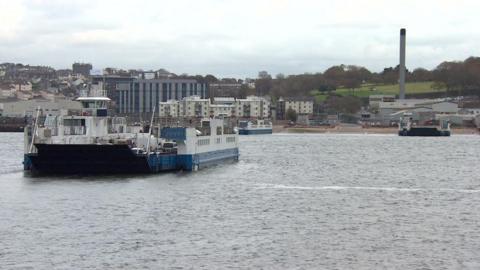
360, 130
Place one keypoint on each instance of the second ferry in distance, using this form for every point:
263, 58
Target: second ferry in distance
255, 127
407, 127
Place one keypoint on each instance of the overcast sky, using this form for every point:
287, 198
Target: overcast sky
233, 38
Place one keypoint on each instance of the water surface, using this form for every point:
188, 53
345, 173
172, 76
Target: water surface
293, 201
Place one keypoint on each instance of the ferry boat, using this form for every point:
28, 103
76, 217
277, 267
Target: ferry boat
255, 127
407, 127
91, 142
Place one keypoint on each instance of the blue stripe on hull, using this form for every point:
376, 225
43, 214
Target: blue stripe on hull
254, 131
197, 161
159, 163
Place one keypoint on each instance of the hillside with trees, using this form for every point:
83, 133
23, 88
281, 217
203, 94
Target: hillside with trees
350, 80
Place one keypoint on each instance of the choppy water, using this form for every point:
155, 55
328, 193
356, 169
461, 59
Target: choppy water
291, 202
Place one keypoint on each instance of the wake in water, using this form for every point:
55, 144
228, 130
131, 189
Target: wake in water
389, 189
11, 169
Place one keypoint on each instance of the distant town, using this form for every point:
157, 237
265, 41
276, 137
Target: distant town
342, 94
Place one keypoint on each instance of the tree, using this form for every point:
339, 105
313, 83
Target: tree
264, 75
451, 74
210, 78
291, 115
389, 75
346, 104
421, 75
334, 75
352, 79
263, 85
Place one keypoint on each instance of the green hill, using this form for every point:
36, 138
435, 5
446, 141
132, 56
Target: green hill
371, 89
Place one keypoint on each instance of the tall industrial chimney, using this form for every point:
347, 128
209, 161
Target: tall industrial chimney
403, 33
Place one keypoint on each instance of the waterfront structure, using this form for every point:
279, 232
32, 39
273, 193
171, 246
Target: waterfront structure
169, 108
390, 111
253, 106
374, 100
141, 95
437, 106
195, 106
301, 105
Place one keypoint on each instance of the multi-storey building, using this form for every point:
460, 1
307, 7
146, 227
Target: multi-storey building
169, 108
142, 95
195, 106
301, 105
222, 110
253, 106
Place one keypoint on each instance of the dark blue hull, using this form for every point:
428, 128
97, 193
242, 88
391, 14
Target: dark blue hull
94, 159
424, 132
114, 159
254, 131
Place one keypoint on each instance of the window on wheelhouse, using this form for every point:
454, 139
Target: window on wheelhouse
74, 127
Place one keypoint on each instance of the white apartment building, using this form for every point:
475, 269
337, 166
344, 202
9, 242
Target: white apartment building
194, 106
253, 106
222, 110
300, 106
169, 108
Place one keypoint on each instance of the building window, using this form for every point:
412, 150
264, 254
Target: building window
144, 92
164, 92
184, 90
151, 98
157, 94
136, 98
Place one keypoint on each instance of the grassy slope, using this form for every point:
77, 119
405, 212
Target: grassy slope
369, 89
